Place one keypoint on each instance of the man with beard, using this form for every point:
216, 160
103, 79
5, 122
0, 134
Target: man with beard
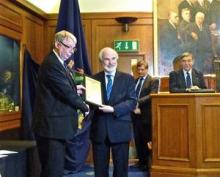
111, 128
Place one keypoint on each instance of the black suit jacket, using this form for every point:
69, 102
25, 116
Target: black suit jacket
177, 81
56, 101
149, 86
115, 126
170, 44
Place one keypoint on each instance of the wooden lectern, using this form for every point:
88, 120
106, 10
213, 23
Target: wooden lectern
217, 73
186, 135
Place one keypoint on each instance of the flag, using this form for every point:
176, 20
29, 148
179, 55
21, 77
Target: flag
30, 72
69, 19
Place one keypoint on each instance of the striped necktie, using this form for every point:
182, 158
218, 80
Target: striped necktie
109, 86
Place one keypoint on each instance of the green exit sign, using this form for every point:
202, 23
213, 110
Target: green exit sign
126, 45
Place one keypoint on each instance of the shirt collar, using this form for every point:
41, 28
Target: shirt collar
112, 73
144, 77
185, 72
61, 61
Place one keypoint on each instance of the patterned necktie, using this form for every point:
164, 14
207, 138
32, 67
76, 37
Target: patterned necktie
138, 88
109, 86
188, 80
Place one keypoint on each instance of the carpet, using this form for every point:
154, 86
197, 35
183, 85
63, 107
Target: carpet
88, 172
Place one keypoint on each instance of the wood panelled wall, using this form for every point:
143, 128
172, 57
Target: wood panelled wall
28, 29
35, 31
101, 29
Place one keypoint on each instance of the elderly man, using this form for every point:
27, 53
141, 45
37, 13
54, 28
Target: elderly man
57, 101
187, 77
111, 128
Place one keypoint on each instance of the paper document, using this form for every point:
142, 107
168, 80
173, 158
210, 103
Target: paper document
6, 152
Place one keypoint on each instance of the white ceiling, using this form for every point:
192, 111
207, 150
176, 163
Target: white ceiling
52, 6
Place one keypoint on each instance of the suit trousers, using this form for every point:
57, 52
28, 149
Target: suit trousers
101, 157
51, 154
141, 137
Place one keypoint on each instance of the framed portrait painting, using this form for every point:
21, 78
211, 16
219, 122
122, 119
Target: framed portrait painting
186, 26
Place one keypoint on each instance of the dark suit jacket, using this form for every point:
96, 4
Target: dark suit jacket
169, 43
56, 101
115, 126
177, 81
150, 85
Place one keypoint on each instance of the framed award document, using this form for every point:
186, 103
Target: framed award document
93, 92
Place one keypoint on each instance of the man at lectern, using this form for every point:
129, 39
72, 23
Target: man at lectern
187, 78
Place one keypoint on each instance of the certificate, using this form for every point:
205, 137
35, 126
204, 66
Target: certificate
93, 92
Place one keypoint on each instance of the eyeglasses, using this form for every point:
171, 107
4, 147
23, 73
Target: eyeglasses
74, 49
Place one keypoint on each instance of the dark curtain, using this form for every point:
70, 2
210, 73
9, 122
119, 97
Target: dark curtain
69, 19
30, 71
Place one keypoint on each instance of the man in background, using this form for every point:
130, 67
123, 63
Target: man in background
170, 42
145, 85
111, 128
201, 39
55, 117
187, 77
189, 4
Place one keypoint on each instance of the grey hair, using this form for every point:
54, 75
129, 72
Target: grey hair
102, 51
61, 35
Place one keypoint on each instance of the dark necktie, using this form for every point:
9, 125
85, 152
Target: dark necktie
138, 88
188, 80
65, 66
109, 86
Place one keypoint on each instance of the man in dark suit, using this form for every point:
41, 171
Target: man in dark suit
57, 99
145, 85
189, 4
186, 78
111, 128
214, 14
170, 42
201, 38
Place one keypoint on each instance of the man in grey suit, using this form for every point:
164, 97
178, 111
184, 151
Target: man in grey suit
57, 100
187, 77
111, 128
145, 85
